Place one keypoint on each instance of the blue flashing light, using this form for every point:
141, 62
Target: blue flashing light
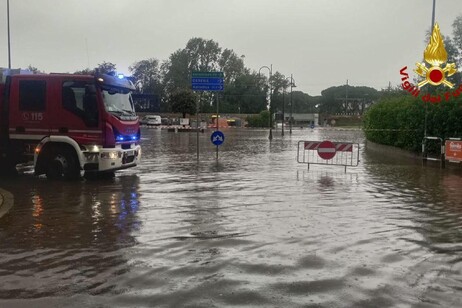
120, 76
126, 138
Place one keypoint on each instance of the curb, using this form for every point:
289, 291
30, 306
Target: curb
6, 202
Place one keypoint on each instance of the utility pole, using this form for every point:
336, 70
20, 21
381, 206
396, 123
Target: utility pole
270, 69
291, 103
346, 96
283, 103
431, 30
8, 26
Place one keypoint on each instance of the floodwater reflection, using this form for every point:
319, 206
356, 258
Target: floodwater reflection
67, 238
253, 229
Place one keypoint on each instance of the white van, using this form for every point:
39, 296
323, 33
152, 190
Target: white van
151, 120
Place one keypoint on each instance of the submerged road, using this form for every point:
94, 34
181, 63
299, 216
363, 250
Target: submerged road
254, 229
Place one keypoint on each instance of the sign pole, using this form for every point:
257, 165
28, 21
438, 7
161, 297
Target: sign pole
209, 81
197, 125
217, 124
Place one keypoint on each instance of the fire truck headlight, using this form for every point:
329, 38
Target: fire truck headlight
109, 155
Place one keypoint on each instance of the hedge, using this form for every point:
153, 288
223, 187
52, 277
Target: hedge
400, 121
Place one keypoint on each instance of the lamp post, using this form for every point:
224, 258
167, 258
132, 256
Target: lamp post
291, 103
270, 69
283, 105
8, 27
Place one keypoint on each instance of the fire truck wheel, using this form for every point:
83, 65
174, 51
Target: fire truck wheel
63, 165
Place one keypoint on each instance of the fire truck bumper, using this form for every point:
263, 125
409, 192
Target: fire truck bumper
114, 159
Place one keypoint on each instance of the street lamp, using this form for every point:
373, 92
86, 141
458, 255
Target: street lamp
292, 85
8, 27
270, 69
283, 105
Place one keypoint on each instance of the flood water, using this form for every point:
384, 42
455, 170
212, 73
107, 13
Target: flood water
254, 229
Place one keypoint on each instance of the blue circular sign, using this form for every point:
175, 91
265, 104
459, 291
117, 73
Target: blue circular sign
217, 138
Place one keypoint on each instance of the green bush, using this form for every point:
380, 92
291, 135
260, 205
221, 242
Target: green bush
400, 121
261, 120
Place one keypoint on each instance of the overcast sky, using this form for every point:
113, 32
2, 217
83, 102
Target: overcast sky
321, 42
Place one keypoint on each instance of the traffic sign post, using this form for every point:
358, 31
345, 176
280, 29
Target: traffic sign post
217, 138
326, 150
207, 81
328, 153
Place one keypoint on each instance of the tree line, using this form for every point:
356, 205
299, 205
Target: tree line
245, 90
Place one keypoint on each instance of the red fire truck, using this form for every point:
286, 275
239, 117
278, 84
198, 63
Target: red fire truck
66, 123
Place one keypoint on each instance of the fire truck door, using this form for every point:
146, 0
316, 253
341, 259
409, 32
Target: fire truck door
78, 115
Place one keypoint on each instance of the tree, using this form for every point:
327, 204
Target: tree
205, 56
347, 99
103, 68
457, 35
278, 85
247, 94
231, 65
183, 101
33, 69
85, 71
198, 55
147, 76
107, 68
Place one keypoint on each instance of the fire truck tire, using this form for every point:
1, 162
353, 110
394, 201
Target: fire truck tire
62, 165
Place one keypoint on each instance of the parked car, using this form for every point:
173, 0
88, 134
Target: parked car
151, 120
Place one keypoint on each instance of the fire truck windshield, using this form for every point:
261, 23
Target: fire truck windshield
119, 103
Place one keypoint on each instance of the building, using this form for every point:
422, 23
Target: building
298, 119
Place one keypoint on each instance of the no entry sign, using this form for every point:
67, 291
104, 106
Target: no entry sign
326, 150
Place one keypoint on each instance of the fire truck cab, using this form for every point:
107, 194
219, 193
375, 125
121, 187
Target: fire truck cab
67, 123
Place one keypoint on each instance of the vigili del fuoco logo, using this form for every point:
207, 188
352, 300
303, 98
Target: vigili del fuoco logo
436, 56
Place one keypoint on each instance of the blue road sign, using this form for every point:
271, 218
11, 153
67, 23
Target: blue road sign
207, 81
207, 75
207, 87
217, 138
